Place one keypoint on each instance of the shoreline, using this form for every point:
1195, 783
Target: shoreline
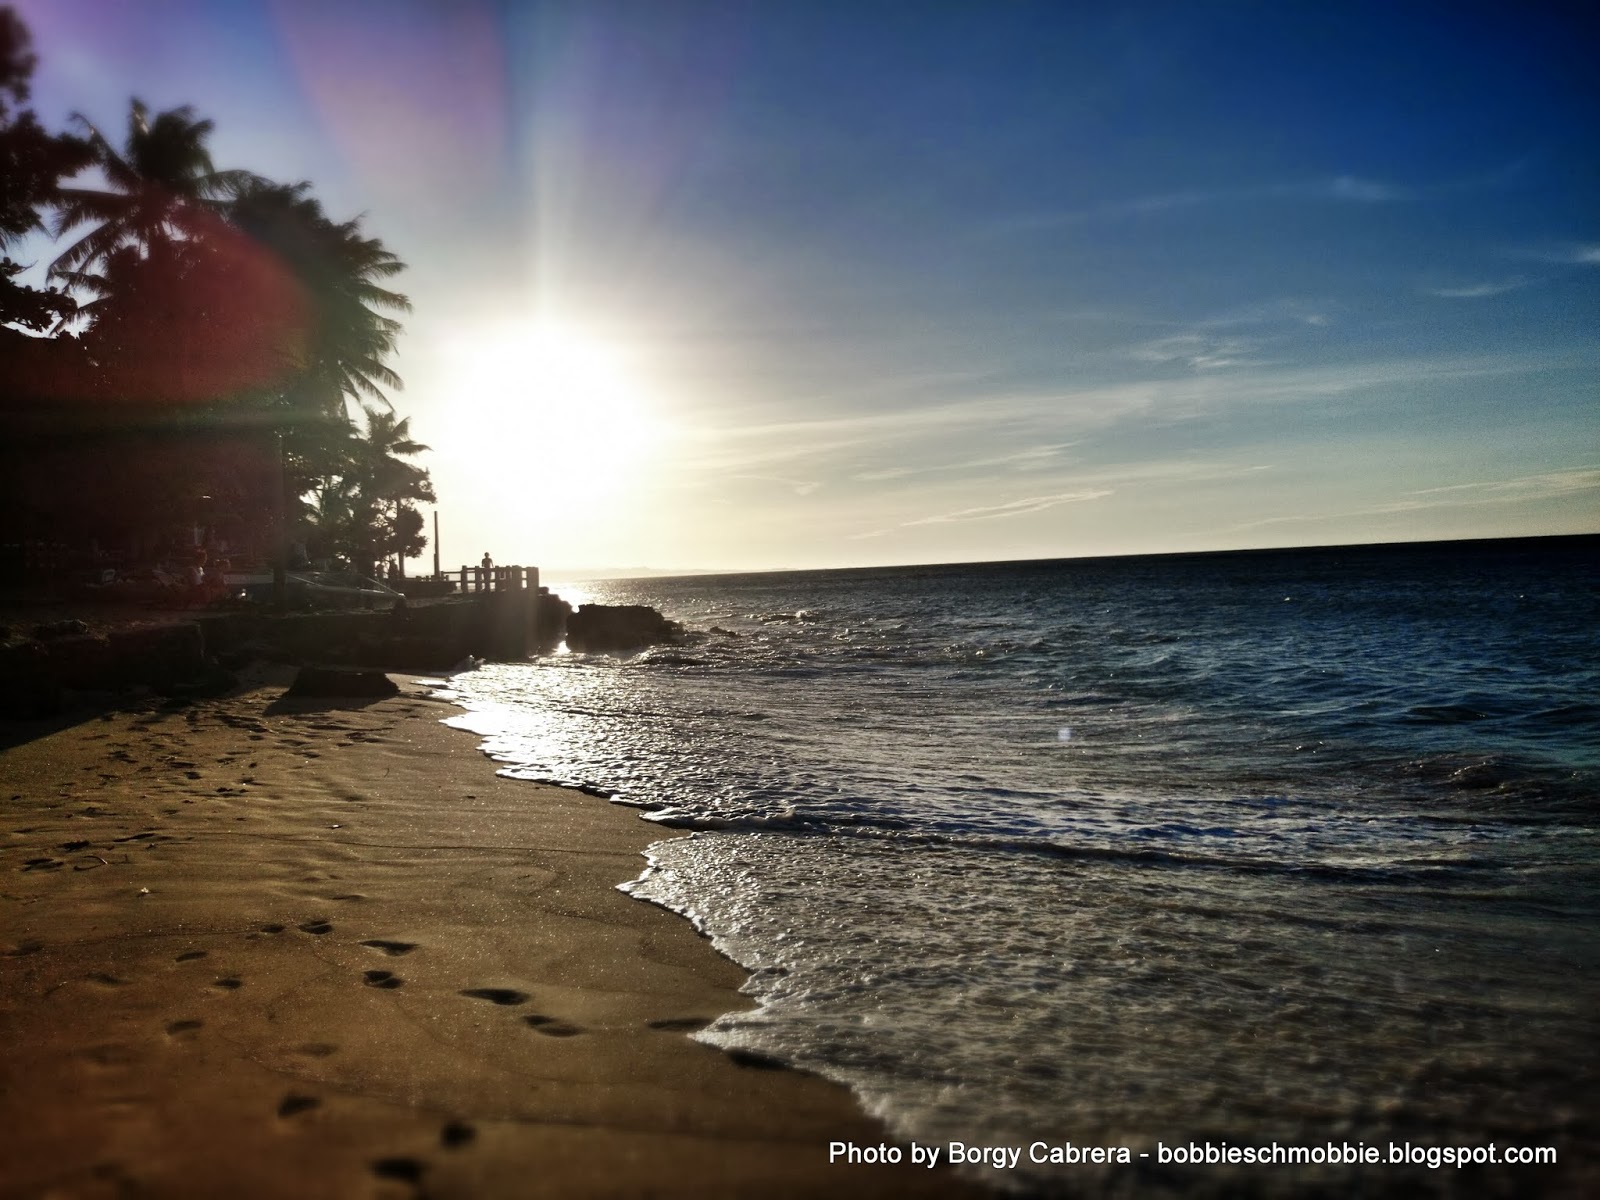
265, 948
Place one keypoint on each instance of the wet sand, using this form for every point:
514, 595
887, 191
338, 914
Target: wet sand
251, 947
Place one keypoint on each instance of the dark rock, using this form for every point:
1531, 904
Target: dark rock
216, 681
620, 628
327, 681
54, 629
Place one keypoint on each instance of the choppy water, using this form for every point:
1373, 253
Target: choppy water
1294, 845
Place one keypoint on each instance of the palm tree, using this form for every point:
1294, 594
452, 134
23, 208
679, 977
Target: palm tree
389, 484
162, 185
348, 337
330, 518
343, 343
32, 165
354, 337
244, 299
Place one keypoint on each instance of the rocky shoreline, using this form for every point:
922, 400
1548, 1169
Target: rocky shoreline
44, 662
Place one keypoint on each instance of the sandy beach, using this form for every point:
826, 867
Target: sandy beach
255, 947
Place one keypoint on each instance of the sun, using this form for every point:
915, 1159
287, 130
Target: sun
557, 413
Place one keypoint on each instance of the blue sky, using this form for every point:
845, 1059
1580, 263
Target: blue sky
766, 284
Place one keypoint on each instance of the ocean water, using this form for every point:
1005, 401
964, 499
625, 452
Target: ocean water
1289, 846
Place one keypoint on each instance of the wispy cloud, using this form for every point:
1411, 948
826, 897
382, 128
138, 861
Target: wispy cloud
1200, 352
1349, 189
1014, 508
828, 447
1522, 490
1478, 291
800, 487
1337, 187
1284, 311
1551, 483
1566, 254
995, 512
1032, 458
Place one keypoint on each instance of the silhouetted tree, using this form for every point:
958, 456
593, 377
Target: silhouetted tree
161, 185
226, 330
349, 333
32, 165
389, 485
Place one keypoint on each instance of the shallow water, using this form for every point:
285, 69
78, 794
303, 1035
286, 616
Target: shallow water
1293, 845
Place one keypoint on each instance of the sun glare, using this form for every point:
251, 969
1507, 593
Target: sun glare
557, 415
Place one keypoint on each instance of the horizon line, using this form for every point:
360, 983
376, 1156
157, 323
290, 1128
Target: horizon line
612, 574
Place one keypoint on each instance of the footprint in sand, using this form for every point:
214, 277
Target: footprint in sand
230, 984
316, 927
501, 996
317, 1049
190, 955
105, 979
680, 1024
551, 1026
457, 1134
392, 949
297, 1102
407, 1170
110, 1054
382, 979
272, 929
179, 1028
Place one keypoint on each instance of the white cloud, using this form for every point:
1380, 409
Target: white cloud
1029, 459
1551, 483
885, 442
995, 512
1567, 254
1014, 508
1524, 489
1200, 352
1339, 188
1477, 291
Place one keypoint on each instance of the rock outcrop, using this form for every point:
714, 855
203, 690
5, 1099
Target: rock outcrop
620, 628
326, 682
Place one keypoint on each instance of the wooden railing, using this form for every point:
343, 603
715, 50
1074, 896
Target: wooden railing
494, 579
